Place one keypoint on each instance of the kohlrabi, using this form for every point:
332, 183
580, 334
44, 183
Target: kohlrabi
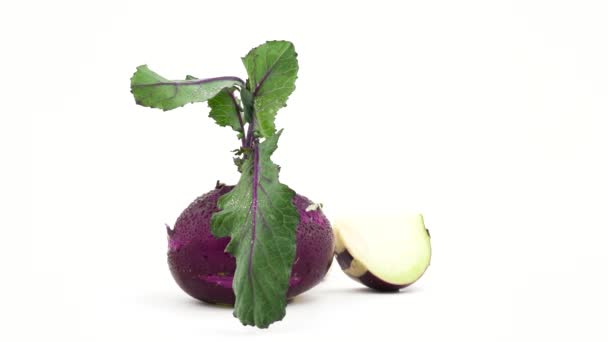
205, 271
281, 242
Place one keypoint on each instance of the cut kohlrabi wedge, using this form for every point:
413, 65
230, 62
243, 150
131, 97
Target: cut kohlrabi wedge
384, 253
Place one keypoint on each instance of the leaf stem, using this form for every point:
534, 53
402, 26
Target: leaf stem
254, 210
196, 81
240, 117
250, 132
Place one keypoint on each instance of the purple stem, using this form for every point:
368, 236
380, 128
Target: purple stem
238, 114
259, 85
254, 208
250, 134
193, 82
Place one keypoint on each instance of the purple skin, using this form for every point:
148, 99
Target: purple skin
203, 270
368, 279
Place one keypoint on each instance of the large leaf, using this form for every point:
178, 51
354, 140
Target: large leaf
259, 216
272, 69
225, 110
152, 90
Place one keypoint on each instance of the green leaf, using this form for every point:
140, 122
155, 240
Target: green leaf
272, 69
259, 216
153, 90
226, 110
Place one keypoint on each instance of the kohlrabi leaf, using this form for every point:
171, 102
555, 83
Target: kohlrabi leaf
247, 99
226, 110
272, 69
259, 216
153, 90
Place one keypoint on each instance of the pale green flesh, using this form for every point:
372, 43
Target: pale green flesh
395, 249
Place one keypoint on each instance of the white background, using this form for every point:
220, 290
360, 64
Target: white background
490, 117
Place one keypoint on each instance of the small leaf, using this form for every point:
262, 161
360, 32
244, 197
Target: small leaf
259, 216
272, 69
247, 99
153, 90
225, 110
